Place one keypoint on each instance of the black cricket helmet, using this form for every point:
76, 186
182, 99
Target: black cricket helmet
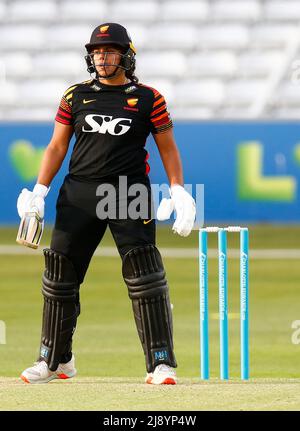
116, 35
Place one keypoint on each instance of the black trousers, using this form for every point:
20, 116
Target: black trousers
78, 230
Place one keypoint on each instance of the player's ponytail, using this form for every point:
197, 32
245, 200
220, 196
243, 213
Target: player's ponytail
130, 75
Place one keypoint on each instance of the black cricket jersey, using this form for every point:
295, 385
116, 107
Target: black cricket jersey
111, 124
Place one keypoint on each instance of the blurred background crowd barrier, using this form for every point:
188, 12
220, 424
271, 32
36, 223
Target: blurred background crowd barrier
250, 170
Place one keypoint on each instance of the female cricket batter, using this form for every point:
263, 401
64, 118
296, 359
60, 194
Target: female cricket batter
111, 116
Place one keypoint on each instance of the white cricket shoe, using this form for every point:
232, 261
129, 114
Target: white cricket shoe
162, 375
40, 372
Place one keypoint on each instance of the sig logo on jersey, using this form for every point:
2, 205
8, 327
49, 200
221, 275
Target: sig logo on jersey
107, 124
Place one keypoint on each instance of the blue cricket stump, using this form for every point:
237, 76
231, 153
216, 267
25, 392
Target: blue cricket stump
203, 276
223, 300
244, 299
223, 304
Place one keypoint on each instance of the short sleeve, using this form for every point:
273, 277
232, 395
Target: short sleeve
64, 113
160, 117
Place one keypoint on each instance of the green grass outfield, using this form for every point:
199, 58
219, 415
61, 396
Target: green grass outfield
109, 358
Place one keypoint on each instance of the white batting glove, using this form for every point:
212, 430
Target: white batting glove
184, 205
33, 201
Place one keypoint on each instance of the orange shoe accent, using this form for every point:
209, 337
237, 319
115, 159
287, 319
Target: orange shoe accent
169, 381
62, 376
24, 379
149, 380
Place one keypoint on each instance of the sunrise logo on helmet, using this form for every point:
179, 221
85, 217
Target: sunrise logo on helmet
104, 28
107, 124
103, 31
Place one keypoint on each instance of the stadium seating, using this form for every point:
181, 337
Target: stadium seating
238, 10
200, 93
135, 11
162, 64
34, 11
241, 93
255, 64
189, 11
282, 10
210, 58
273, 35
212, 64
17, 65
21, 37
2, 11
70, 13
8, 92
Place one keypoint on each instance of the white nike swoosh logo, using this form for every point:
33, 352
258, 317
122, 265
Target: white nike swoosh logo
88, 101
